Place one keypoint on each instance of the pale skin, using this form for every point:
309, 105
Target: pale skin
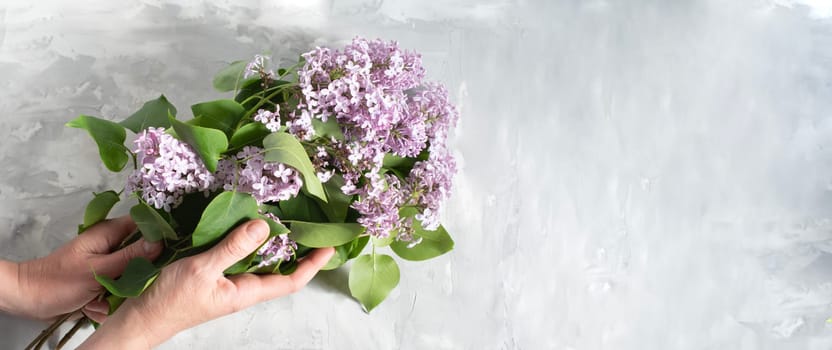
187, 293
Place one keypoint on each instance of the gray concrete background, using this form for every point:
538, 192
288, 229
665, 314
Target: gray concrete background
637, 174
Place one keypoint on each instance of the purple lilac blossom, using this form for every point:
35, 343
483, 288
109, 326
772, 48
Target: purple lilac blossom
278, 248
168, 169
375, 92
266, 181
429, 183
268, 118
259, 66
379, 206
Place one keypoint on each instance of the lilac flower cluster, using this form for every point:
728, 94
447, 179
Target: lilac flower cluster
278, 248
249, 172
268, 118
259, 66
380, 205
429, 184
167, 170
375, 92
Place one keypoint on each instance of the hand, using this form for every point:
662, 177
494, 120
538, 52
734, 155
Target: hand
194, 290
63, 281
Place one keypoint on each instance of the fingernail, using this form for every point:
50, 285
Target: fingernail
150, 247
257, 230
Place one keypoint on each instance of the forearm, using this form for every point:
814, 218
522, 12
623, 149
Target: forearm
10, 298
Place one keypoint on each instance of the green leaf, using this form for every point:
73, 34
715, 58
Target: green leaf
284, 148
114, 301
152, 225
339, 258
328, 129
301, 208
434, 243
357, 246
220, 114
337, 202
153, 113
188, 213
383, 242
372, 277
286, 267
110, 139
208, 143
254, 86
138, 275
98, 208
272, 209
223, 213
400, 165
275, 228
249, 134
230, 77
319, 235
241, 266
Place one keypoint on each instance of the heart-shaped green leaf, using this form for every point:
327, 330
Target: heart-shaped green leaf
98, 208
275, 228
433, 244
153, 113
230, 78
284, 148
152, 225
225, 212
319, 235
328, 129
248, 134
220, 114
301, 208
208, 143
337, 202
137, 276
357, 246
372, 277
110, 139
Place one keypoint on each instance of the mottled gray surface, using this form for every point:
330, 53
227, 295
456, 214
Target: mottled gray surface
636, 174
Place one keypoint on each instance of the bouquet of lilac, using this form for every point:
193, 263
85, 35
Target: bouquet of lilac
345, 149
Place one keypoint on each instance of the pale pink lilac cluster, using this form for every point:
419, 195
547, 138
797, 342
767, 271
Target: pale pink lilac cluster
167, 170
268, 118
429, 184
259, 66
249, 172
375, 92
278, 248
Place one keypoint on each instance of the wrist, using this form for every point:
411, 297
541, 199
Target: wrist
126, 329
10, 296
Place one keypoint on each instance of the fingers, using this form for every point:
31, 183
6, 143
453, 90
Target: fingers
113, 264
239, 244
97, 310
107, 235
257, 288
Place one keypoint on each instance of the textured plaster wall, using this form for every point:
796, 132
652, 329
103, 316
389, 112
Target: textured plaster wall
638, 174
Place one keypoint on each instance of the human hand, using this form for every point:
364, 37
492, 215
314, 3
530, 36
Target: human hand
194, 290
63, 281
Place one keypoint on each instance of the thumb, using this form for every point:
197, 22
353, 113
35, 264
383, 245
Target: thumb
239, 244
113, 264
